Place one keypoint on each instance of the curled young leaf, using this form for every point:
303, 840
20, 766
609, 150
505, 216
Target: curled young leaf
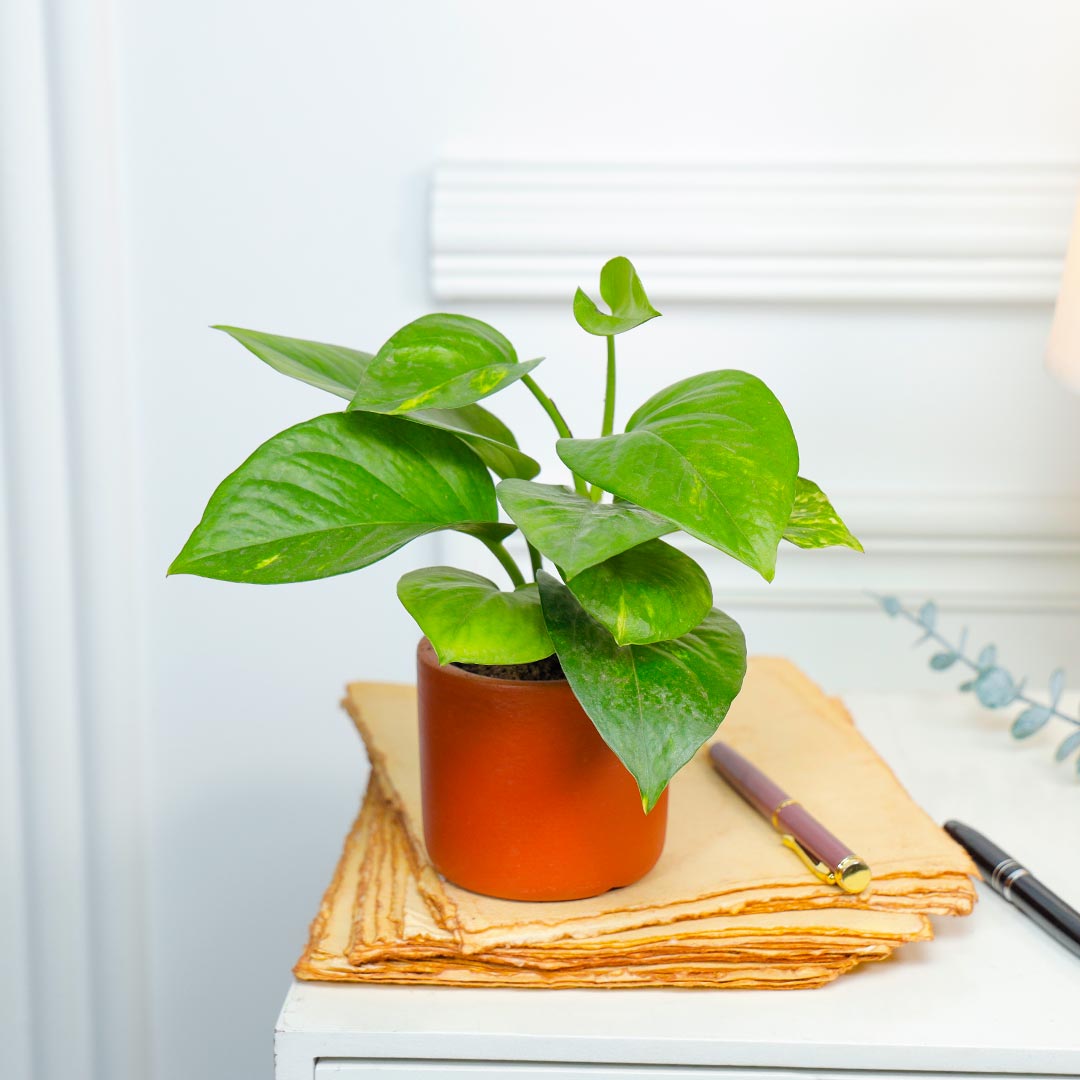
468, 619
337, 493
814, 523
438, 362
1029, 721
621, 289
654, 705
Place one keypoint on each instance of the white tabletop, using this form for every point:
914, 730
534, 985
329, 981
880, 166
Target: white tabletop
991, 994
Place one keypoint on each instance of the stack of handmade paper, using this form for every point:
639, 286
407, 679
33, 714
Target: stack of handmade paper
726, 905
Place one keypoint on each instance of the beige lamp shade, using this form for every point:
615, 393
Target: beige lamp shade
1063, 351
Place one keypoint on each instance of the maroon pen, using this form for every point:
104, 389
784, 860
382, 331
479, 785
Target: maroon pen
831, 860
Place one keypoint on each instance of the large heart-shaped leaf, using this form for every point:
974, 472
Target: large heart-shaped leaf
486, 434
329, 367
650, 593
438, 362
814, 523
334, 494
714, 453
654, 705
573, 531
468, 618
621, 289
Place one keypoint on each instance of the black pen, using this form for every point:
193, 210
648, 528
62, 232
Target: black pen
1019, 886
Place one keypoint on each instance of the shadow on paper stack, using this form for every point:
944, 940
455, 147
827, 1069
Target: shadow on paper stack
726, 905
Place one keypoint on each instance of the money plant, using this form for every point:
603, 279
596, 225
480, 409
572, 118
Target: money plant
629, 615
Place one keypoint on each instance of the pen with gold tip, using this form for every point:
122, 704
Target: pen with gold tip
830, 859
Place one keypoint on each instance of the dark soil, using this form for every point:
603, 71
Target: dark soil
546, 670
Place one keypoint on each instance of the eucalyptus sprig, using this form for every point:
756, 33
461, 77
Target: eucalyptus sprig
631, 618
990, 682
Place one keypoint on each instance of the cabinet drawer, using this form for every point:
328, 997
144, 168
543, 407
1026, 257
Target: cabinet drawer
353, 1069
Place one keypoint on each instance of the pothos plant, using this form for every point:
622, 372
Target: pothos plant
631, 618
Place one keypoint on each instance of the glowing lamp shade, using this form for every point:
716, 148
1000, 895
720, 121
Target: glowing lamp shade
1063, 351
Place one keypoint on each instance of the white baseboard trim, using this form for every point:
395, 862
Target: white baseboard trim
976, 232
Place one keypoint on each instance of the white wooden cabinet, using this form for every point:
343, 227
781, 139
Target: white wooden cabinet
991, 996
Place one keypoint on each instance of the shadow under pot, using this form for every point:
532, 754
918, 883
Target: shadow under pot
522, 798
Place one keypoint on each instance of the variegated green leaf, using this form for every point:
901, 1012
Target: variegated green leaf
814, 523
650, 593
438, 362
337, 493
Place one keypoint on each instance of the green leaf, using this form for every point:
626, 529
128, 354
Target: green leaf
438, 362
714, 453
1029, 721
329, 367
573, 531
814, 523
995, 688
1057, 685
468, 619
654, 705
621, 289
1068, 745
650, 593
337, 493
486, 434
942, 661
890, 605
337, 369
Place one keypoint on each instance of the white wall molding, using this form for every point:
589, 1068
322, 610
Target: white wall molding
51, 872
977, 232
70, 558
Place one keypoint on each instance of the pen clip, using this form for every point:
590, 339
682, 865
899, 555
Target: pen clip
816, 866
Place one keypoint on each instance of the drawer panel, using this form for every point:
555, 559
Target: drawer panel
353, 1069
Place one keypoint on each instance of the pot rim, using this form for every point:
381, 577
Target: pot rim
425, 653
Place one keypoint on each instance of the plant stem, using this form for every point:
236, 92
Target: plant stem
561, 425
609, 390
608, 425
506, 560
535, 559
1024, 699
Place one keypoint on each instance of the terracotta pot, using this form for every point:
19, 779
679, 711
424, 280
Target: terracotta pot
522, 798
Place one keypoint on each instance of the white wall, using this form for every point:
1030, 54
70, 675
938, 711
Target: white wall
269, 165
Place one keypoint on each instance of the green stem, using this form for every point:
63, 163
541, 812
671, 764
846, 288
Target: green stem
561, 425
609, 406
609, 392
535, 560
506, 560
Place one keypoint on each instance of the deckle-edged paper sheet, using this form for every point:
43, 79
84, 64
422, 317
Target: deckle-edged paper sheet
700, 956
726, 904
720, 856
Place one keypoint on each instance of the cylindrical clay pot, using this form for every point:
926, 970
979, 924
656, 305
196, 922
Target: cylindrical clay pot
522, 798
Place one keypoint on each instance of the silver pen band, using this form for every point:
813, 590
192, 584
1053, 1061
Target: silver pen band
1004, 875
